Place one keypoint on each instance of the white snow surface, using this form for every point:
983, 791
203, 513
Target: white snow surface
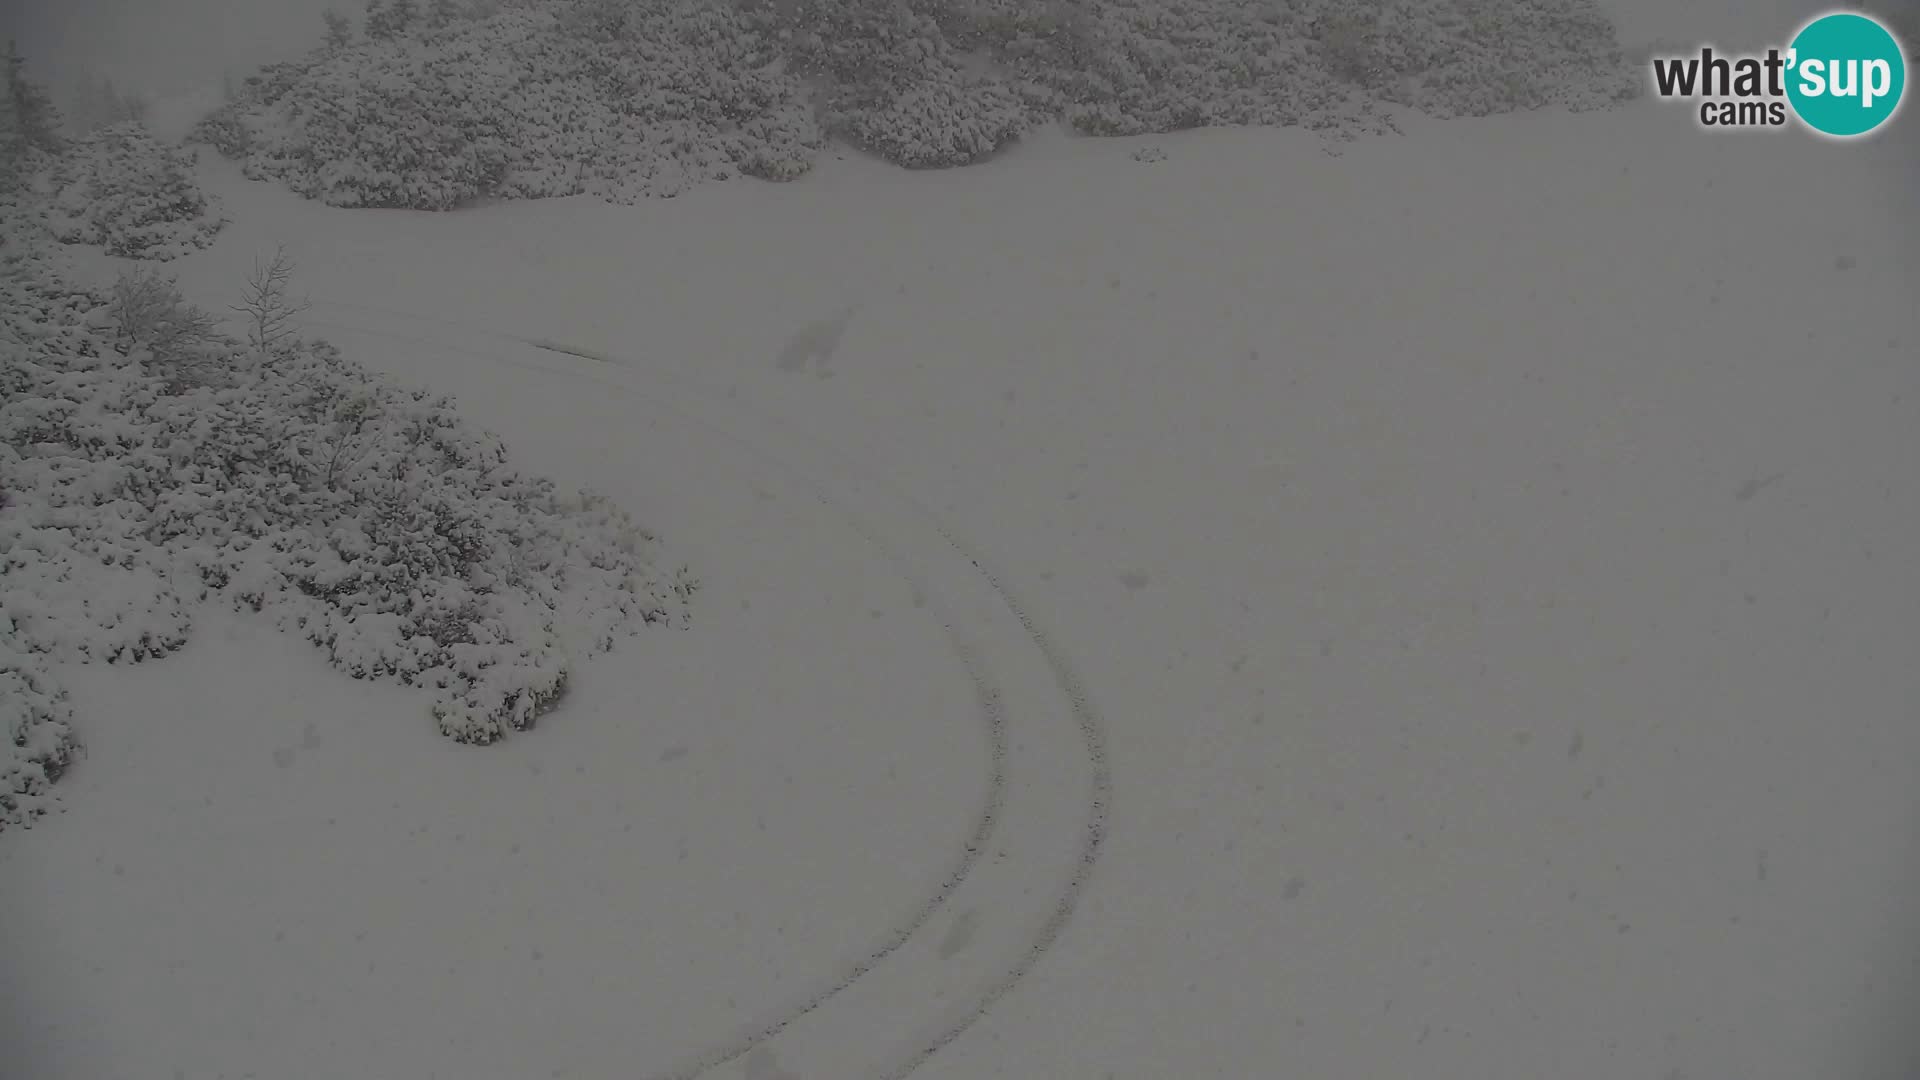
1480, 563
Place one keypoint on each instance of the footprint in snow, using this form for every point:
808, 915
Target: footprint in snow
816, 342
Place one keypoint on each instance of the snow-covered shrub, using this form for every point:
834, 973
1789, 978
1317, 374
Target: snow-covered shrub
630, 98
39, 729
561, 98
894, 85
35, 716
933, 122
692, 93
149, 465
122, 190
381, 126
1146, 66
224, 129
407, 547
229, 129
1478, 57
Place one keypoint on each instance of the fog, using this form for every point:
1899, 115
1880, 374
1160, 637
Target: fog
164, 48
176, 47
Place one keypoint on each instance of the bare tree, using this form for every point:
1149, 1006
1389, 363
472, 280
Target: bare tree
269, 310
149, 314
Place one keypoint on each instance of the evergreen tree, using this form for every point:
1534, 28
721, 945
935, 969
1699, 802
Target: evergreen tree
441, 12
10, 140
33, 121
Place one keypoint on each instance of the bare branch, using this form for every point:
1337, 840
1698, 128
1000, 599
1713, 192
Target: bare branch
265, 303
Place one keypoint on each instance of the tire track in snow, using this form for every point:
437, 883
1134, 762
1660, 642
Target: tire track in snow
986, 692
1093, 733
1086, 717
1084, 713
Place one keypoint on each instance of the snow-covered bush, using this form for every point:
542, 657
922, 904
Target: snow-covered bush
224, 129
122, 190
560, 98
40, 723
893, 84
149, 465
35, 717
629, 98
1148, 66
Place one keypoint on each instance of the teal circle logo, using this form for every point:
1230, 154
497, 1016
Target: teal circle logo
1845, 74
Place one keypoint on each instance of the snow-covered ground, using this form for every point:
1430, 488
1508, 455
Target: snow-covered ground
1482, 564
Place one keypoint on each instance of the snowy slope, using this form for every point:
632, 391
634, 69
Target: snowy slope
1488, 555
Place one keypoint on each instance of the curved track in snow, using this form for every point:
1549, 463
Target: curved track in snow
924, 980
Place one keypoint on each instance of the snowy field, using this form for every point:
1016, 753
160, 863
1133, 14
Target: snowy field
1440, 610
